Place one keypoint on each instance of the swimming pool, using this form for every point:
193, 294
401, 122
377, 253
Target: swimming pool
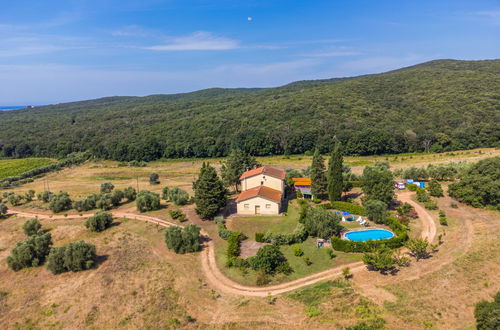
369, 234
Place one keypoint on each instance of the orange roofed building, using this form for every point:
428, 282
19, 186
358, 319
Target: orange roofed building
262, 191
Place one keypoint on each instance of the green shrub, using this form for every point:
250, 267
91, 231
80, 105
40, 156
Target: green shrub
431, 205
60, 202
233, 245
130, 194
259, 237
147, 201
376, 210
298, 193
487, 314
297, 251
331, 254
3, 209
411, 187
316, 200
107, 187
381, 259
422, 196
45, 196
435, 189
32, 227
319, 222
270, 260
99, 221
175, 214
442, 218
183, 240
154, 178
478, 186
73, 257
298, 235
307, 261
176, 195
418, 247
345, 207
30, 253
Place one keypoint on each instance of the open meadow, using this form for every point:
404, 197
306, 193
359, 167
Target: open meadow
139, 283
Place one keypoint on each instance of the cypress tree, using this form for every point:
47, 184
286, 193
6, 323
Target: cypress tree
209, 192
318, 176
237, 162
335, 178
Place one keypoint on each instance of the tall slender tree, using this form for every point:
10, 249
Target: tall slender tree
233, 167
319, 184
335, 178
209, 192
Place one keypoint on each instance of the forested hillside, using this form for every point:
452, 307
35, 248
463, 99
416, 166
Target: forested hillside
438, 106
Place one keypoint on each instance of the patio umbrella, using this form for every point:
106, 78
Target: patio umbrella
346, 213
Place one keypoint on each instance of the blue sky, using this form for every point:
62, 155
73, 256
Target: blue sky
55, 51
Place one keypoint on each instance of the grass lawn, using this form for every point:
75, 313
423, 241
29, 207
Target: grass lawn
318, 256
261, 224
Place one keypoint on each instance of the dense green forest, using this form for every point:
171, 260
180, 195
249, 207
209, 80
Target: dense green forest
438, 106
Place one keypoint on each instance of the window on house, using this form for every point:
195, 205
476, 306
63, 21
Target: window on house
268, 206
246, 206
262, 183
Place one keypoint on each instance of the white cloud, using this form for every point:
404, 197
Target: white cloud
490, 16
200, 40
381, 64
331, 54
43, 84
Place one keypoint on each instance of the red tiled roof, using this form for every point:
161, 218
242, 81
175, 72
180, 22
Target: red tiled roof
267, 170
260, 191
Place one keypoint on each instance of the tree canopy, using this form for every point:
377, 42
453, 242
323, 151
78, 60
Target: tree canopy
235, 165
319, 184
480, 185
419, 108
378, 183
209, 192
335, 176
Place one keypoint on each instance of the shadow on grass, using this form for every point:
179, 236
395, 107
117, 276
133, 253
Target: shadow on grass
99, 260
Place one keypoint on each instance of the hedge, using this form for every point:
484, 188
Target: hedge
397, 241
298, 235
345, 207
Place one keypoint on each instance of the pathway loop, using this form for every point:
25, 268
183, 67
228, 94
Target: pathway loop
221, 282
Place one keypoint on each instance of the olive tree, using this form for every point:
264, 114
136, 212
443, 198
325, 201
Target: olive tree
99, 221
74, 257
107, 187
376, 210
32, 227
147, 201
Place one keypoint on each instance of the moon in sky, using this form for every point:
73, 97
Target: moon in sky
250, 18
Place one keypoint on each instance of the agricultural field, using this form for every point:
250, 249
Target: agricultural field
13, 167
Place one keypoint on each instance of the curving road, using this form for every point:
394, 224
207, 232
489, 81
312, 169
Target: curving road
219, 281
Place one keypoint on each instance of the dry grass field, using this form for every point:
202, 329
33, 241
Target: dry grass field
139, 283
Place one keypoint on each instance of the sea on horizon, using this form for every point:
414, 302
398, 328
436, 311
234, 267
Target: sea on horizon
13, 107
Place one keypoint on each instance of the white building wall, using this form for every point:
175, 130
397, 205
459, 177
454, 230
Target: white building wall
267, 207
268, 181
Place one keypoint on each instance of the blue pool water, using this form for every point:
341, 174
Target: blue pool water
365, 235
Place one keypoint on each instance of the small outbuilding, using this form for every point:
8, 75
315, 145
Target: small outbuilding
303, 185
